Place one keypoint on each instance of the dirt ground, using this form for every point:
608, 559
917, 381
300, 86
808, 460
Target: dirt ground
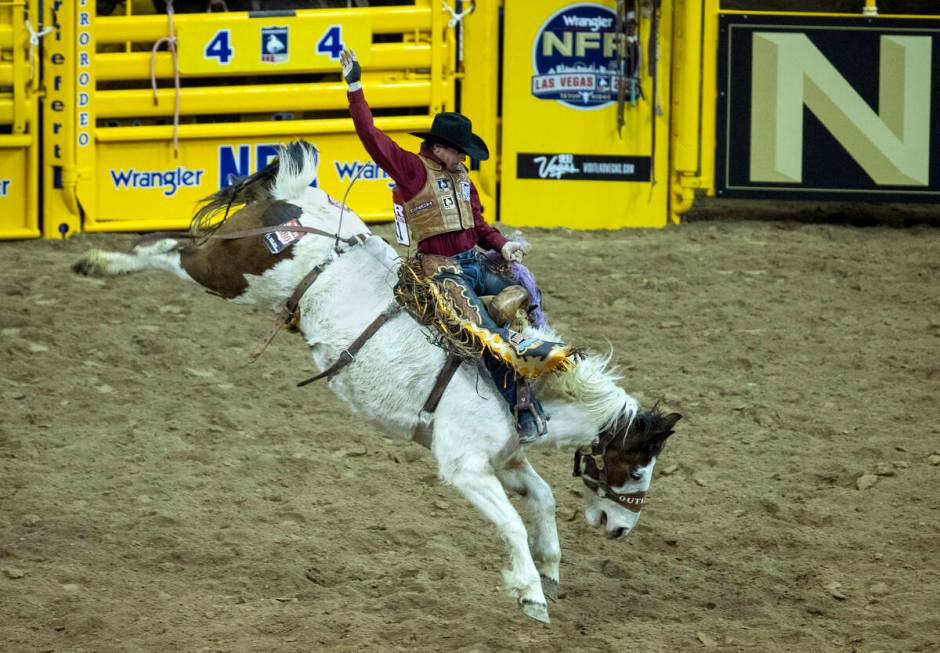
158, 494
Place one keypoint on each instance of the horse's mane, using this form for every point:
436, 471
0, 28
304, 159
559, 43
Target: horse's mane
299, 160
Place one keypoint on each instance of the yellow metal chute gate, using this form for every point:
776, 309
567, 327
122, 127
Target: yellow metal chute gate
248, 81
19, 125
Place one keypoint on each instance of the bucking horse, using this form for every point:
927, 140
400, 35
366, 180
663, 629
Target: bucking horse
292, 247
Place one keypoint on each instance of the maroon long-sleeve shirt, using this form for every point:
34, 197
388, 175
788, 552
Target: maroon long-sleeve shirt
409, 173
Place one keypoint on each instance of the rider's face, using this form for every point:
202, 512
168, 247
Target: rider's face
450, 157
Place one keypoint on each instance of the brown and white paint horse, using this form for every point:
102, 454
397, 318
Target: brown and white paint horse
394, 371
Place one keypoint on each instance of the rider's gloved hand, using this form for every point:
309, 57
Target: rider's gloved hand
352, 72
513, 250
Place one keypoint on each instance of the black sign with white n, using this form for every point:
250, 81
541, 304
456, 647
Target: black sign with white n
828, 108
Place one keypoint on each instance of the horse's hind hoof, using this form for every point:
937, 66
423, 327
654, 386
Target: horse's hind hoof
82, 267
550, 588
535, 610
88, 265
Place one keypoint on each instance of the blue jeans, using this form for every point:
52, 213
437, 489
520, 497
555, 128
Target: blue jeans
479, 280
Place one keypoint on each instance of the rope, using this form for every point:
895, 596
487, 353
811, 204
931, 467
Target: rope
170, 42
457, 19
342, 207
35, 38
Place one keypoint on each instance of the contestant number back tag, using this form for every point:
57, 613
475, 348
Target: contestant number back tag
401, 227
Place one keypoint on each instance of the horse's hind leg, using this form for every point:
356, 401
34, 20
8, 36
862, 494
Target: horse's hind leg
520, 477
478, 483
162, 254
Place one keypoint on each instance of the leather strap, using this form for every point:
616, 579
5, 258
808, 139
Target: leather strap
288, 311
348, 355
245, 233
632, 501
423, 432
451, 365
260, 231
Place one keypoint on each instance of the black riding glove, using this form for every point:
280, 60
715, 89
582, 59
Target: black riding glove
352, 72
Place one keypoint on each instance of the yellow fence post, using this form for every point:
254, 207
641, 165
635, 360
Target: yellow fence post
61, 212
693, 103
478, 100
19, 142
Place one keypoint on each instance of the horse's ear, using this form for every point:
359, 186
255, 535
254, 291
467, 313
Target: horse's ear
665, 427
669, 421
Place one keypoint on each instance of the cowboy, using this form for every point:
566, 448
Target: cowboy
442, 210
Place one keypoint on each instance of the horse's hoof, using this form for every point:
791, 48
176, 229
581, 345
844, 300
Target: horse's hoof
88, 265
83, 267
550, 588
535, 610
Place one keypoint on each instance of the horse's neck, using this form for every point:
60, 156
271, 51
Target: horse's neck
582, 401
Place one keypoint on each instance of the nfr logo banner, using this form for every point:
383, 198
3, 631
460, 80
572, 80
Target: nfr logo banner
574, 57
828, 109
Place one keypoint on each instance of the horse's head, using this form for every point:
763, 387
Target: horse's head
618, 468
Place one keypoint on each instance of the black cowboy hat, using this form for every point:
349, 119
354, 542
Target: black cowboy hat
455, 130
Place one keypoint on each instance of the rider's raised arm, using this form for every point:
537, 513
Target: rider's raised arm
402, 166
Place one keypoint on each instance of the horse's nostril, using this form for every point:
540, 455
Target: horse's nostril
619, 533
603, 519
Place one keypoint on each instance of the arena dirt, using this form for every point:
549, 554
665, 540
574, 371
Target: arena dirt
158, 494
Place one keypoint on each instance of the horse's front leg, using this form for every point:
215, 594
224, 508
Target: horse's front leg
520, 477
478, 483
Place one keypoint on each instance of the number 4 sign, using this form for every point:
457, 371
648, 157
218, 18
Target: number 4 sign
331, 44
297, 43
219, 48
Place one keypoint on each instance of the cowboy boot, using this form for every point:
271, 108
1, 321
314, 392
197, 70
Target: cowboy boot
530, 419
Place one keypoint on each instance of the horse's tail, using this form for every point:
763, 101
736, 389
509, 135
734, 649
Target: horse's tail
285, 178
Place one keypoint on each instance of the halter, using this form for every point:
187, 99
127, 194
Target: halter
632, 501
596, 451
